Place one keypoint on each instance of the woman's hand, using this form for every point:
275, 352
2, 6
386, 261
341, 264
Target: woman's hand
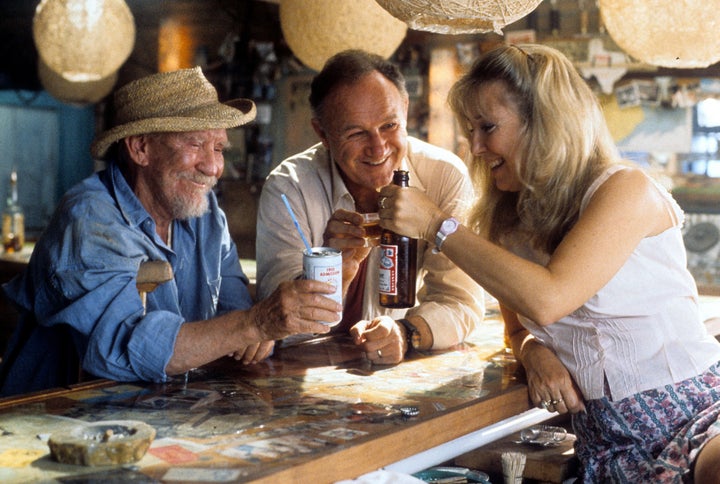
409, 212
550, 384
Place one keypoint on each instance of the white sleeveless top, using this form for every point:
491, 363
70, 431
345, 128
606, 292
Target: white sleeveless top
643, 329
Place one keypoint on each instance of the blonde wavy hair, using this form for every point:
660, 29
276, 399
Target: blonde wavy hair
565, 143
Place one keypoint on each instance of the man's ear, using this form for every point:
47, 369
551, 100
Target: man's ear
320, 131
137, 149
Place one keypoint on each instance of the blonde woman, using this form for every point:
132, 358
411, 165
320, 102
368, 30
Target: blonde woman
585, 254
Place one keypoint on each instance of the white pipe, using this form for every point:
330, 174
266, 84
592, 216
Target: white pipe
449, 450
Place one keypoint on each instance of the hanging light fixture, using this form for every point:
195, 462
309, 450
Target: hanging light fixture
459, 16
75, 93
316, 30
83, 40
666, 33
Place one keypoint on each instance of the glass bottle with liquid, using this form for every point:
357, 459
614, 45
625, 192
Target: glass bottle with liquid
13, 219
398, 263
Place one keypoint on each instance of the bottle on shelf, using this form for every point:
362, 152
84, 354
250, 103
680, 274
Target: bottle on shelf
13, 219
398, 263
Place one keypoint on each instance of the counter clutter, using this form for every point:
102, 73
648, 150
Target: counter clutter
316, 412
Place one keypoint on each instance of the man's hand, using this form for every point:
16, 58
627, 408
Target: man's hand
295, 307
381, 339
254, 353
343, 231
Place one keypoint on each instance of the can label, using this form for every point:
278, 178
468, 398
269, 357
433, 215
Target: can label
325, 264
387, 272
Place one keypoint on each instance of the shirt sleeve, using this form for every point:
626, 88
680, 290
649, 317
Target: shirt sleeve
279, 246
100, 302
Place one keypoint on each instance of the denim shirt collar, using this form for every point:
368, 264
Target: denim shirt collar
129, 204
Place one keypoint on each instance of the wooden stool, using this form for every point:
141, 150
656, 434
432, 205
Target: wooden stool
543, 464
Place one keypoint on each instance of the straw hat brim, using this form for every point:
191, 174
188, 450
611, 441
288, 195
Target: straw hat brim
225, 115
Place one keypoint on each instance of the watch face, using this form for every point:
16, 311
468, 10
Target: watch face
448, 224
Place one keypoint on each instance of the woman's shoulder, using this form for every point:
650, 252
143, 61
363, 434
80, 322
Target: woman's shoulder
631, 188
618, 177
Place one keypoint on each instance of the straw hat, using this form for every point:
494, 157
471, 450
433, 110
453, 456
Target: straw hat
182, 100
316, 30
459, 16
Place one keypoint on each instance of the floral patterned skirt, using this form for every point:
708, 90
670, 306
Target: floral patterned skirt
650, 437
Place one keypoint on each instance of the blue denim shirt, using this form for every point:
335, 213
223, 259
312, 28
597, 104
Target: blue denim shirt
78, 297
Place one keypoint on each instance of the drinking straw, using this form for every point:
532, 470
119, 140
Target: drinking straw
295, 221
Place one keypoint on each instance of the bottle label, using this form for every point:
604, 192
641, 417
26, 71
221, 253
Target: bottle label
387, 277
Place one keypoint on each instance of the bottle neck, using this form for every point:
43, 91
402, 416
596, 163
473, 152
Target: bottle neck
401, 178
12, 196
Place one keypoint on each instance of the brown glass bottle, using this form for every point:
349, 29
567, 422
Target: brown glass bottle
398, 263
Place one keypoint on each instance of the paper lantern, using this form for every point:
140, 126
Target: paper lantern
459, 16
316, 30
83, 40
666, 33
77, 93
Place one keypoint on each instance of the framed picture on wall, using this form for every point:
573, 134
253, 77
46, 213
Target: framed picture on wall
627, 95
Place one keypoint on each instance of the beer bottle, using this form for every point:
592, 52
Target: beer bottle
398, 263
13, 219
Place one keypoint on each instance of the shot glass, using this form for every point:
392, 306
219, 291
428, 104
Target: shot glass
371, 225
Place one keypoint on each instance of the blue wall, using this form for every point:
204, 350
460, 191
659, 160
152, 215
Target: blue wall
72, 130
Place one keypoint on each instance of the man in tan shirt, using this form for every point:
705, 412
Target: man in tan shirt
360, 107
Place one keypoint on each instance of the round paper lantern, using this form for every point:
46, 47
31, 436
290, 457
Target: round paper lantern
318, 29
459, 16
83, 40
666, 33
78, 93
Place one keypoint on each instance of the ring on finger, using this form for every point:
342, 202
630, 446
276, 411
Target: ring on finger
555, 402
545, 404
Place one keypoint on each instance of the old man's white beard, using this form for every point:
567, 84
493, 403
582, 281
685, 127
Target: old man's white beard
194, 204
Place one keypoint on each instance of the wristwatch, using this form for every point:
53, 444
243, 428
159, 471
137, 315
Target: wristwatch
447, 227
413, 335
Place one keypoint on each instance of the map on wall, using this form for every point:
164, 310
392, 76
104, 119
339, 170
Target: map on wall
648, 128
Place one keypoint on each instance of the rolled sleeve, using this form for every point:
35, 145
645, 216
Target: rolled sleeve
151, 345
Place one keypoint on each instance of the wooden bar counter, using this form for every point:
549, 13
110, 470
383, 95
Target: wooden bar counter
315, 412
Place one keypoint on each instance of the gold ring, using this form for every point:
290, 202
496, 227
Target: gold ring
555, 402
379, 353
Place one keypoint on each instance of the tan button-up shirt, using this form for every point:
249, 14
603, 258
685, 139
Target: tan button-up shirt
450, 301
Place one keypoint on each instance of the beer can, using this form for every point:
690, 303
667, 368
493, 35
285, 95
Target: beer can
325, 264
